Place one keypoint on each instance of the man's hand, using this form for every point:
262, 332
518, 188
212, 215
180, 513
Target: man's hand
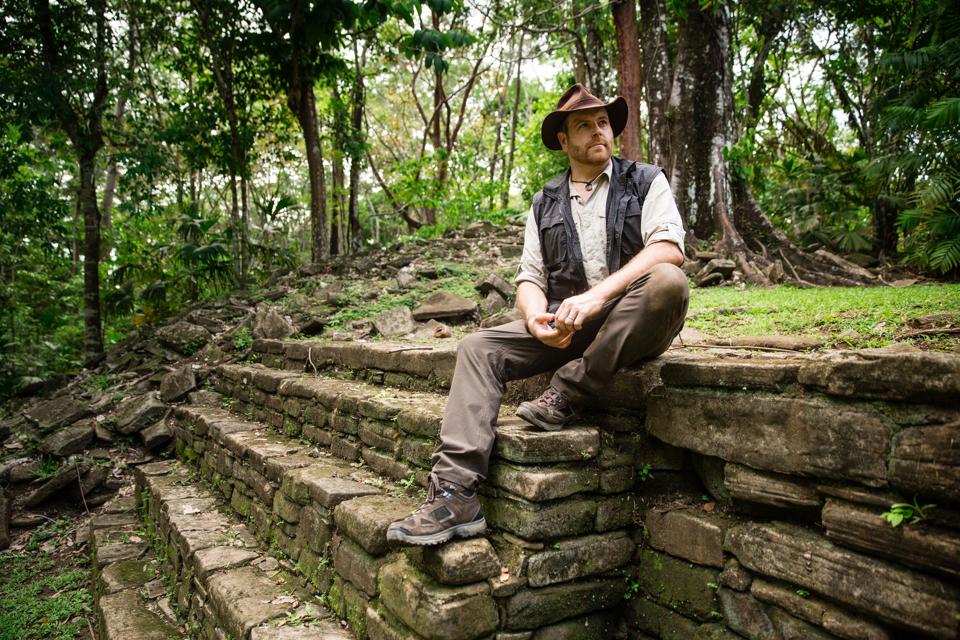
576, 310
539, 327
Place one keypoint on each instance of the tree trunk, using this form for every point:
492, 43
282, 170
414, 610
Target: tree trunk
306, 113
336, 217
657, 80
244, 223
629, 75
356, 124
92, 332
508, 165
235, 222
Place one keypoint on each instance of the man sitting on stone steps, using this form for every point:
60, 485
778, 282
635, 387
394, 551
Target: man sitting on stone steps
599, 288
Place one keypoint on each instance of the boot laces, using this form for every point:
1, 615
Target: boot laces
552, 398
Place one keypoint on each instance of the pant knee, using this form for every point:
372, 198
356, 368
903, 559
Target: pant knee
668, 288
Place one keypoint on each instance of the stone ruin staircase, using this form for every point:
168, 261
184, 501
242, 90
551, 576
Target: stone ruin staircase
706, 495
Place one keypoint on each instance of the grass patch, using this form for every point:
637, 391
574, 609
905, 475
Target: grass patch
854, 317
42, 597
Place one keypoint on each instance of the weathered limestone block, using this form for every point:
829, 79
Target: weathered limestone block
177, 383
688, 534
735, 576
830, 617
126, 574
791, 628
320, 630
394, 322
381, 627
57, 412
444, 304
66, 476
269, 380
69, 440
124, 615
534, 608
245, 598
536, 521
139, 412
615, 512
803, 436
659, 455
434, 611
678, 584
356, 565
579, 557
417, 451
660, 622
459, 561
303, 485
422, 418
746, 616
384, 464
526, 444
316, 527
926, 460
733, 370
212, 559
899, 596
184, 337
864, 528
157, 435
542, 483
912, 376
378, 434
271, 324
776, 490
365, 519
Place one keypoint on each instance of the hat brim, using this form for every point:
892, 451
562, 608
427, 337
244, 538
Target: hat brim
553, 123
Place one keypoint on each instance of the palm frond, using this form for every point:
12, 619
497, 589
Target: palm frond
946, 255
944, 113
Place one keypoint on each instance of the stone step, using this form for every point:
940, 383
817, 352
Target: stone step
128, 586
329, 518
395, 431
224, 583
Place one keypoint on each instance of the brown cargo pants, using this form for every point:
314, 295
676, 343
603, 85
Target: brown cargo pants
638, 326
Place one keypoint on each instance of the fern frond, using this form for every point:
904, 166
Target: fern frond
944, 113
946, 255
940, 188
910, 219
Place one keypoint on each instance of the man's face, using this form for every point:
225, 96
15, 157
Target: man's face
587, 137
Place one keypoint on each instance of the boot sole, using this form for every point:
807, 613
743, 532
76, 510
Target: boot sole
465, 530
538, 420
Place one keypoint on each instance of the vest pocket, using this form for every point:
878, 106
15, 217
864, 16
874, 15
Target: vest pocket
553, 242
632, 238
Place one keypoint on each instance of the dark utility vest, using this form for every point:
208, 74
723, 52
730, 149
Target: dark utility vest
559, 242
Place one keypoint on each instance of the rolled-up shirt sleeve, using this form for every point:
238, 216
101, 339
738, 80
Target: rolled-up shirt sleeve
661, 218
531, 260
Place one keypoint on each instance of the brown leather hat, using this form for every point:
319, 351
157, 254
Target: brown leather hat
577, 98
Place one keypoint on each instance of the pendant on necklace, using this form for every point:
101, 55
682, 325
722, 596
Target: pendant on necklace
588, 186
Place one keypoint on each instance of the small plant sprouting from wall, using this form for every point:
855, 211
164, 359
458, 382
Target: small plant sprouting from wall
907, 512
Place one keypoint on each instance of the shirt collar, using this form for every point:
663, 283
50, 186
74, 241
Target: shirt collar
607, 171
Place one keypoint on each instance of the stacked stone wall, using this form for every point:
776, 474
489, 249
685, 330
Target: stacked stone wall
759, 481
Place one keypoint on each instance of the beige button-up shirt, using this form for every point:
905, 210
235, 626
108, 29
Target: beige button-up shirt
660, 222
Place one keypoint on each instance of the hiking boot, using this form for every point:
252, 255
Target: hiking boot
450, 510
551, 411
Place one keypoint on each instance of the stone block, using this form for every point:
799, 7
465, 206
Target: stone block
688, 534
735, 576
319, 630
731, 370
898, 596
534, 608
460, 561
345, 448
316, 527
803, 436
444, 304
926, 460
437, 612
615, 512
746, 616
356, 565
384, 464
288, 510
178, 383
579, 557
912, 376
69, 440
790, 628
599, 626
536, 521
417, 451
125, 615
659, 455
528, 445
378, 434
157, 435
542, 483
245, 598
772, 489
365, 519
184, 337
394, 322
820, 613
658, 621
616, 479
139, 412
380, 627
687, 588
126, 574
863, 528
57, 412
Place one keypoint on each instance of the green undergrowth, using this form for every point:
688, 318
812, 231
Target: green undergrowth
362, 300
43, 597
846, 317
